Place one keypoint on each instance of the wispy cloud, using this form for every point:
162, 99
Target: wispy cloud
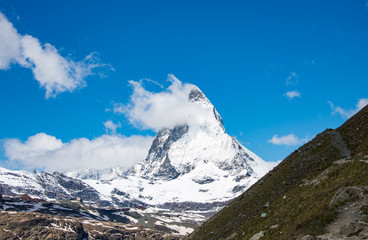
55, 73
110, 127
292, 79
292, 94
51, 154
288, 140
347, 113
165, 109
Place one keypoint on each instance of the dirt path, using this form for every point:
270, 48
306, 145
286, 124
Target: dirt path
351, 222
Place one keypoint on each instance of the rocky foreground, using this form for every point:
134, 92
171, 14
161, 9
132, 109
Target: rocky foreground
27, 218
25, 225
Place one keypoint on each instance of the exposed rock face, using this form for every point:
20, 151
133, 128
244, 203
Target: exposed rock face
159, 152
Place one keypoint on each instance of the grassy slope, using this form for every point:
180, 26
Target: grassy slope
298, 191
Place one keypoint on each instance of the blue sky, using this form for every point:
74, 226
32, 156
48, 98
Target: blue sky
244, 55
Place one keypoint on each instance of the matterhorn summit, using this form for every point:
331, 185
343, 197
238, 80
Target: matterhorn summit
201, 150
193, 161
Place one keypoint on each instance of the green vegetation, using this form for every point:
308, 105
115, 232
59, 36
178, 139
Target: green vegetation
299, 190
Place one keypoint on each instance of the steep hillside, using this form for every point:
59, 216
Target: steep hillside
308, 194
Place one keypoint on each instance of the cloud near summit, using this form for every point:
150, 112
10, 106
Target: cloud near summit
165, 109
145, 110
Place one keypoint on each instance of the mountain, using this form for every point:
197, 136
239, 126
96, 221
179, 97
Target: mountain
184, 148
192, 166
320, 191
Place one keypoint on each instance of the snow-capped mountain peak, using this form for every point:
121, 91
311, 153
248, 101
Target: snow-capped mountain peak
180, 150
197, 155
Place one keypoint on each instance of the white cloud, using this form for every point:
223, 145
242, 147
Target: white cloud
51, 154
292, 79
10, 51
361, 103
292, 94
53, 72
350, 112
110, 127
151, 110
289, 140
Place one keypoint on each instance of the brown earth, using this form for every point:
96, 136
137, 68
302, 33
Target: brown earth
24, 225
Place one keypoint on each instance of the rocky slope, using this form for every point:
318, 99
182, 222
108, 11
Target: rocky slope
318, 192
